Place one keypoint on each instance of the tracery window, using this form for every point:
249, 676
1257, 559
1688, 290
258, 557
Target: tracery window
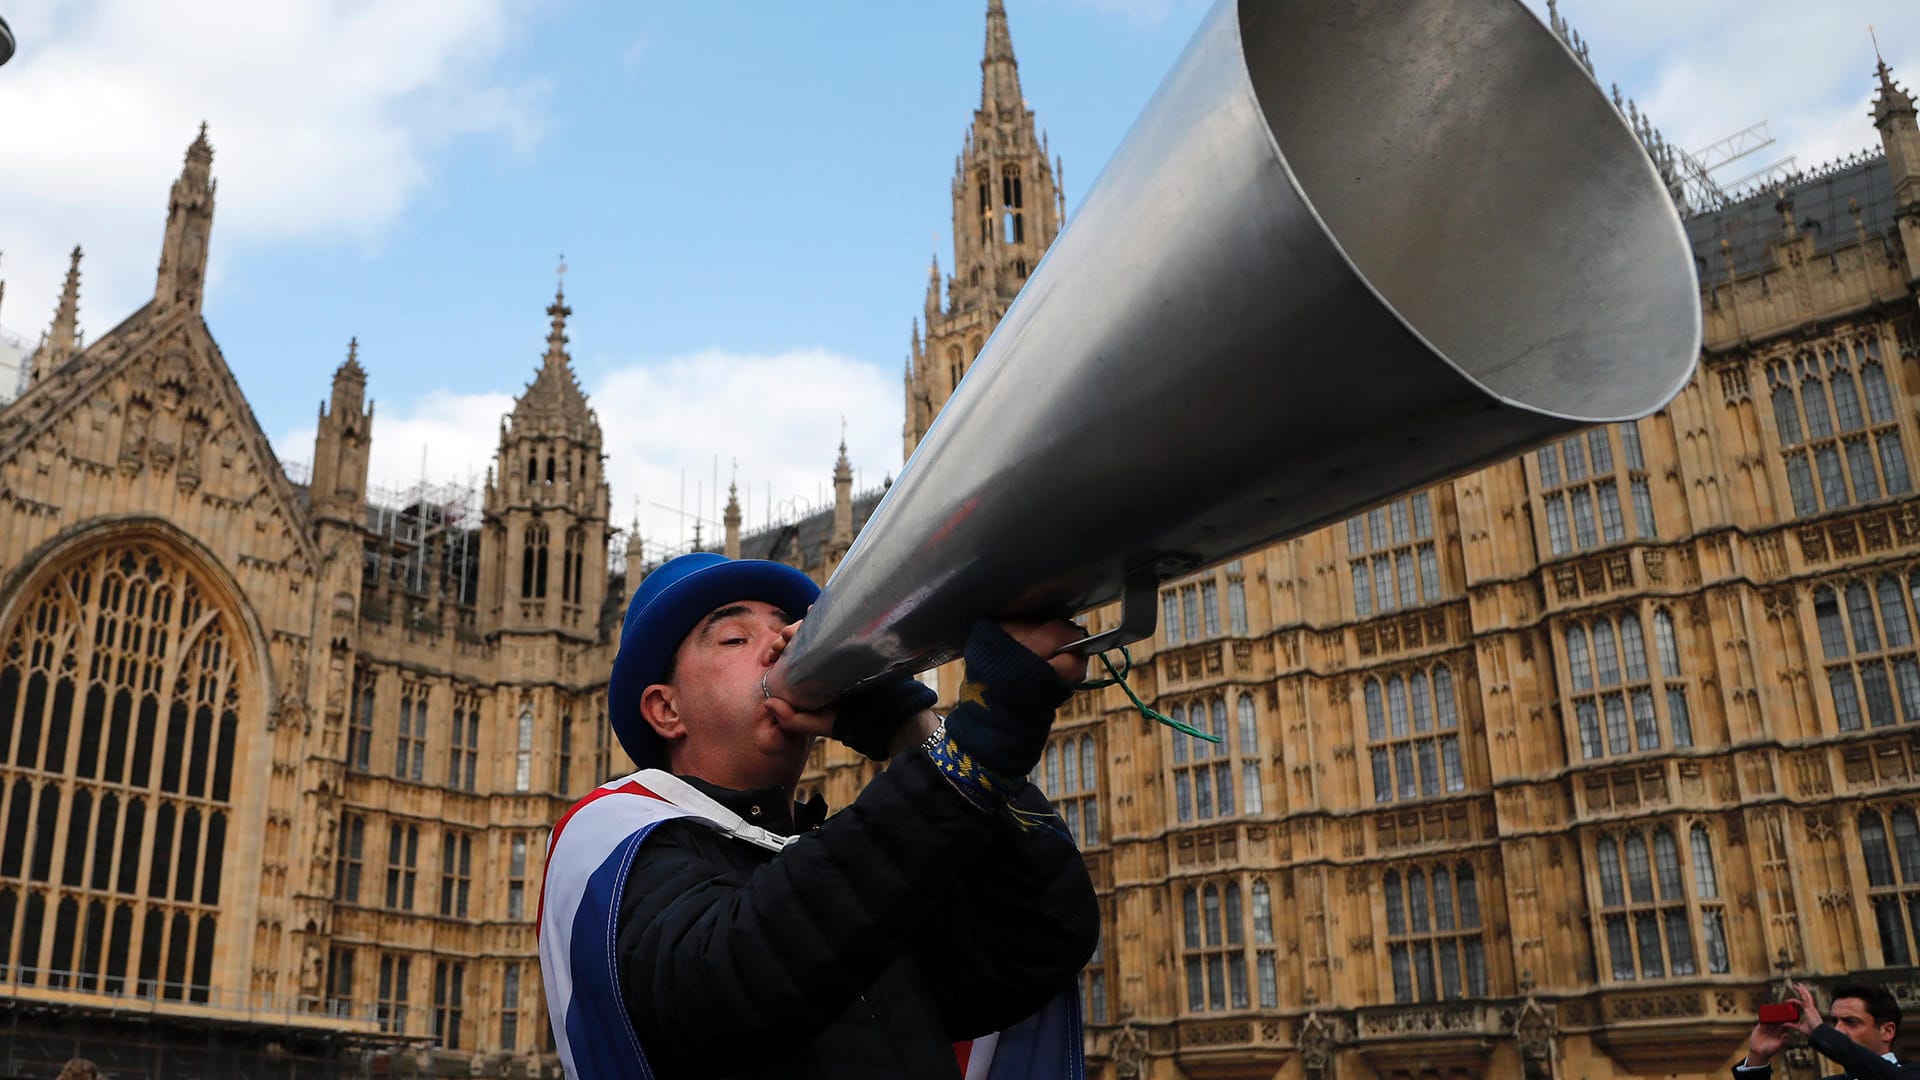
517, 876
1867, 639
523, 751
573, 565
1434, 944
410, 750
456, 873
360, 723
340, 981
510, 1007
352, 854
1833, 410
1069, 774
403, 863
1622, 703
1011, 199
391, 1008
449, 993
566, 753
1648, 917
463, 760
1236, 598
1218, 936
1093, 982
1582, 481
533, 562
121, 688
1206, 774
1893, 881
1391, 558
1413, 723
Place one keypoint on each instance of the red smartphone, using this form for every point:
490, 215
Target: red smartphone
1784, 1012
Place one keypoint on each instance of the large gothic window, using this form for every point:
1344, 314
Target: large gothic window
1582, 481
1069, 774
120, 701
1217, 934
1624, 701
1833, 410
1434, 943
1204, 773
1658, 897
533, 563
1413, 735
1893, 881
1867, 639
1391, 558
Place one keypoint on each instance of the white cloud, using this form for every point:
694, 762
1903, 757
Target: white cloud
323, 115
1706, 69
668, 425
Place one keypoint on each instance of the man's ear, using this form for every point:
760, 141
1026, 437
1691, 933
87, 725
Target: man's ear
659, 707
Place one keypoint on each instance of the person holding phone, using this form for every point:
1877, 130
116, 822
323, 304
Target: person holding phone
1858, 1034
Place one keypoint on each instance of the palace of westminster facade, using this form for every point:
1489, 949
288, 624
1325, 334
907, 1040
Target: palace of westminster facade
1556, 769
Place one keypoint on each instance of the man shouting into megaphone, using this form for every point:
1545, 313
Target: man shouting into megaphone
695, 921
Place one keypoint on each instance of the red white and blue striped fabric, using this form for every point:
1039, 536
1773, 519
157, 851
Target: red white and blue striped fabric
593, 846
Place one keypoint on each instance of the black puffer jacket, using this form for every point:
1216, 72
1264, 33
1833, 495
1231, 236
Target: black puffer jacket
903, 923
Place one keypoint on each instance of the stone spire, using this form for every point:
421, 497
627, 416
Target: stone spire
555, 394
183, 254
999, 72
557, 331
342, 445
1007, 208
636, 550
547, 510
731, 519
1894, 116
1892, 101
842, 499
63, 337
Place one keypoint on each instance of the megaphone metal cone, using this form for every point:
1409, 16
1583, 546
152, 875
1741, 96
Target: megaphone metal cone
1349, 249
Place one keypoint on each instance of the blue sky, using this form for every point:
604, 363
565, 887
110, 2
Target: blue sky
746, 192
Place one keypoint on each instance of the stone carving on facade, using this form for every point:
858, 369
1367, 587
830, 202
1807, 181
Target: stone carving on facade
1317, 1045
1129, 1052
1534, 1030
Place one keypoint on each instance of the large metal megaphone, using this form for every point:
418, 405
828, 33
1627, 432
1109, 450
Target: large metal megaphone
1352, 247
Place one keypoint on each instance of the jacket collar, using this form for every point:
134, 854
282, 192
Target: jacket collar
768, 808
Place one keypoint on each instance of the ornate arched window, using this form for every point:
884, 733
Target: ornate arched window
1850, 439
1413, 728
533, 563
1874, 677
119, 657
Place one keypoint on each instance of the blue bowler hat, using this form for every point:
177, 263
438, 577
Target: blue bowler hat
665, 608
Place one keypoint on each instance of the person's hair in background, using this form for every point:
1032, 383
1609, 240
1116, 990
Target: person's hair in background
1879, 1002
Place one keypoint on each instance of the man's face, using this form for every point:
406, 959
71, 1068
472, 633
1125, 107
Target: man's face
716, 697
1850, 1015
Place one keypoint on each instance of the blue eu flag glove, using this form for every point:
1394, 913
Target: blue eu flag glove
1007, 703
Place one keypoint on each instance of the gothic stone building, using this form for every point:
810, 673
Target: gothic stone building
1551, 770
277, 765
